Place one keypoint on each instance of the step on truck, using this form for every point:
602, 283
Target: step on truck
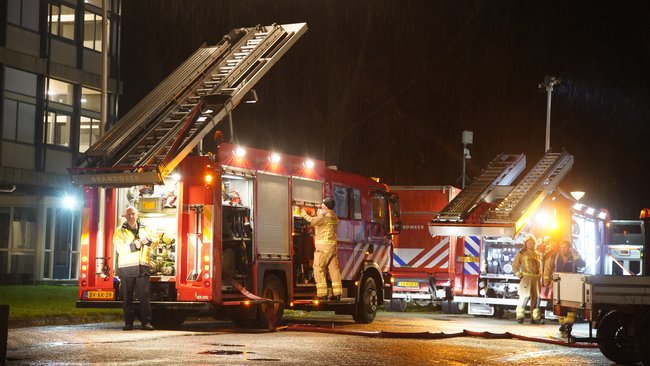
231, 244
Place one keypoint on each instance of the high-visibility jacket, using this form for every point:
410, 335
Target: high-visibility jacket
129, 255
527, 264
325, 224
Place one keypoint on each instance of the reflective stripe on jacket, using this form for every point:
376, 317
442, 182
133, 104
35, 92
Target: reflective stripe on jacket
325, 224
129, 255
526, 263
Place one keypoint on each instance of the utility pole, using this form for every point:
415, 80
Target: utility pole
467, 139
549, 82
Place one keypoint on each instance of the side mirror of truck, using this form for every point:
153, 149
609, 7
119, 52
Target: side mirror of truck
397, 227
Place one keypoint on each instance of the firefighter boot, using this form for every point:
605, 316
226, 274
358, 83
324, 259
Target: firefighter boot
521, 314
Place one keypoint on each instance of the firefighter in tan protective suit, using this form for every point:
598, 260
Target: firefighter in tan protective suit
567, 260
325, 260
527, 267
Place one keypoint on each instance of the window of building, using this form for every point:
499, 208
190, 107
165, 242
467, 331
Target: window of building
23, 13
98, 3
91, 100
93, 31
20, 82
19, 120
23, 229
61, 20
88, 132
57, 128
59, 91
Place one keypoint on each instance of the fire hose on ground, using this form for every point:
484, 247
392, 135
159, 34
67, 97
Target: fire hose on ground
429, 335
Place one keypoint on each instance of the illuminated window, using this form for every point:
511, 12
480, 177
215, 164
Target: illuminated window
88, 132
59, 91
61, 20
23, 13
98, 3
91, 100
93, 31
57, 129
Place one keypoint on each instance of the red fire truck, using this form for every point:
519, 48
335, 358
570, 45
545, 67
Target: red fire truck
420, 261
487, 222
230, 241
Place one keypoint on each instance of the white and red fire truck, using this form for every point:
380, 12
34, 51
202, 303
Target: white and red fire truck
487, 221
231, 243
420, 261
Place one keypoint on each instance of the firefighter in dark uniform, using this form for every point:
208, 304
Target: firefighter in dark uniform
133, 243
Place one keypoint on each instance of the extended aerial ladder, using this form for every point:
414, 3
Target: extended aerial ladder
153, 138
509, 216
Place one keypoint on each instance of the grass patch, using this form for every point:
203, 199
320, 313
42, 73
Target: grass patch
33, 302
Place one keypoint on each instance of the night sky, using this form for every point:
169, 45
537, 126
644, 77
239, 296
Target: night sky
384, 88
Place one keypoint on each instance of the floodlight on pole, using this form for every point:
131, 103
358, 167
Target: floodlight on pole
467, 139
549, 82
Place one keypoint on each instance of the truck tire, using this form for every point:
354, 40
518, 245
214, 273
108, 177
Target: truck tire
397, 305
613, 341
272, 289
366, 308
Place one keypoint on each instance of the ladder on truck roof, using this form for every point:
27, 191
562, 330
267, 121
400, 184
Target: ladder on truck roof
528, 194
500, 171
162, 129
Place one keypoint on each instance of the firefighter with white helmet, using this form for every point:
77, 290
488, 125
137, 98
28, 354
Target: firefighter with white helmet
326, 261
133, 242
527, 267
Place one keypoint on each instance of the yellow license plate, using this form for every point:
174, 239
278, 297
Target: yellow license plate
407, 284
100, 295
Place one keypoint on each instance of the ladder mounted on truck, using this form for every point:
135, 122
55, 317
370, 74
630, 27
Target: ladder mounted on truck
500, 171
514, 210
525, 197
162, 129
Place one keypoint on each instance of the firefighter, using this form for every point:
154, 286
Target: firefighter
527, 267
133, 243
567, 260
325, 223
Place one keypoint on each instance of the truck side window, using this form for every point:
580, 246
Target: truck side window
379, 209
356, 204
341, 202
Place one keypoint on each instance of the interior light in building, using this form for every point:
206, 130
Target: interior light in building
51, 92
84, 100
240, 152
309, 164
274, 158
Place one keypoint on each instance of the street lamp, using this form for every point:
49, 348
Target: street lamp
467, 139
549, 82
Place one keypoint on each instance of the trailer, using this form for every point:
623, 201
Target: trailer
231, 242
618, 307
420, 262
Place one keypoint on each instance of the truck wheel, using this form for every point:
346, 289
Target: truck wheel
446, 306
613, 341
397, 305
458, 307
366, 308
273, 290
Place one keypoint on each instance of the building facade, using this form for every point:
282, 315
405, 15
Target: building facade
50, 113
